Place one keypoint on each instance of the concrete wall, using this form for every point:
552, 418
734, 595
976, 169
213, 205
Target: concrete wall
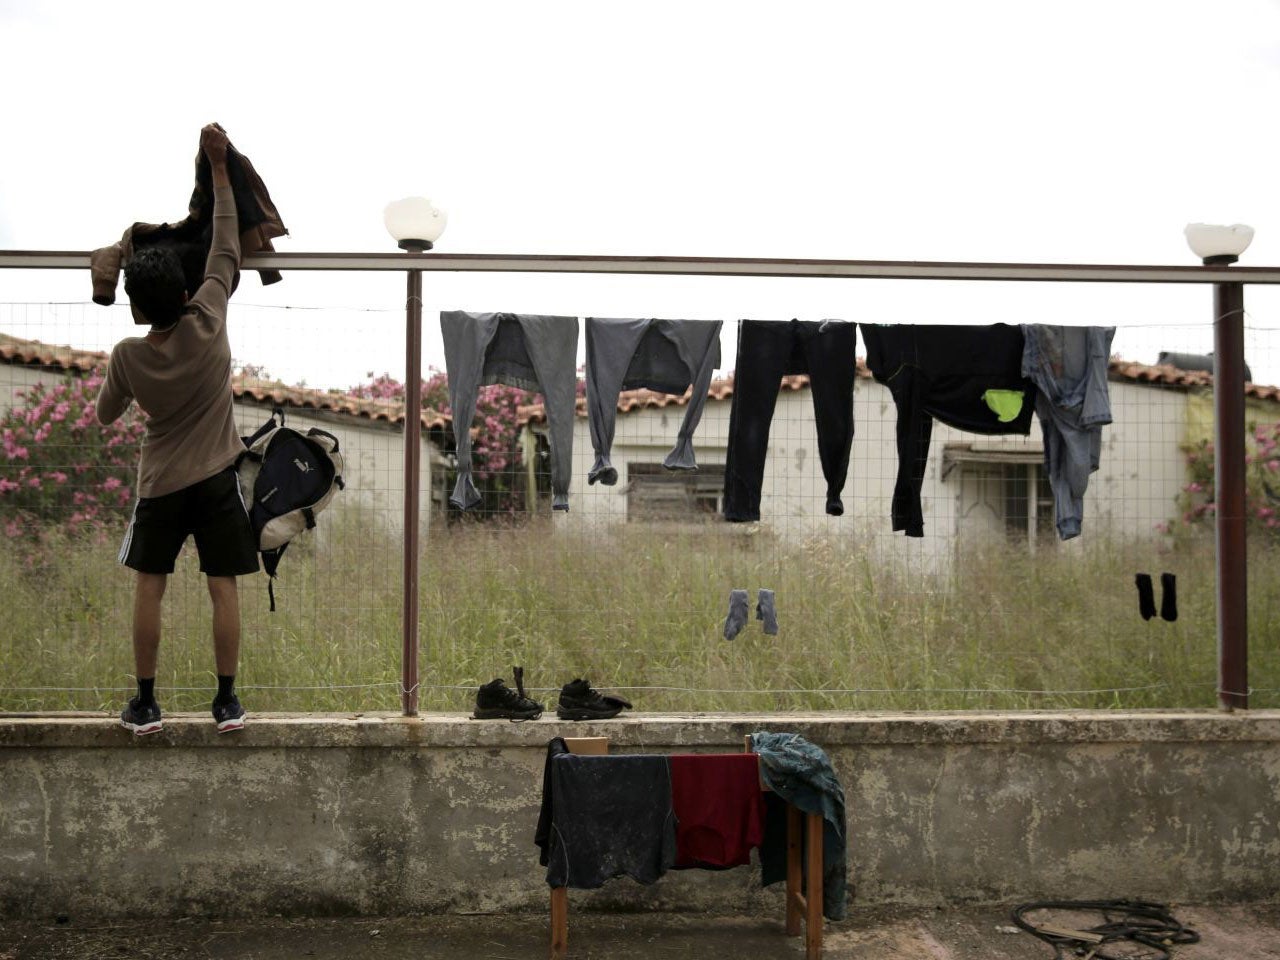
384, 815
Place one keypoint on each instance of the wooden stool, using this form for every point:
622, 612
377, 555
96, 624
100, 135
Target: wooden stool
799, 906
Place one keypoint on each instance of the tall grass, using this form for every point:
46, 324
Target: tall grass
643, 607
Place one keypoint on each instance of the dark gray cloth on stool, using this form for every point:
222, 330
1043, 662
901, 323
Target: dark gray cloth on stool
611, 816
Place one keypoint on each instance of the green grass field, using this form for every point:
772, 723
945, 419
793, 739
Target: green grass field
644, 608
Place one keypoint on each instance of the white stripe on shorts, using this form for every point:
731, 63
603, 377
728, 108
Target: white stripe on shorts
128, 535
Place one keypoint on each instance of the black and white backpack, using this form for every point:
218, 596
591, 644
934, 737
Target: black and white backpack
286, 478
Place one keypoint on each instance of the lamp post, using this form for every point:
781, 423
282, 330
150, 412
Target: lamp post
415, 225
1222, 246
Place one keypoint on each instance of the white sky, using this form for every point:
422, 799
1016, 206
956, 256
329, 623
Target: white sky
1005, 131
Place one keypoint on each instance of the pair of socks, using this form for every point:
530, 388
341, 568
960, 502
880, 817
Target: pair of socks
1147, 596
766, 610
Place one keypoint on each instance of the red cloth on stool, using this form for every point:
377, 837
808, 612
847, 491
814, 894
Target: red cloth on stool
718, 806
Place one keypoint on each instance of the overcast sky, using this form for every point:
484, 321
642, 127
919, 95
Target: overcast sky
1020, 131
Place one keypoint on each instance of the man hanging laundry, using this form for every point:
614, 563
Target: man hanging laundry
969, 377
1069, 365
668, 356
180, 375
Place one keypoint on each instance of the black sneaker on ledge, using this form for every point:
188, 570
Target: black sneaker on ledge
496, 701
229, 716
141, 718
579, 702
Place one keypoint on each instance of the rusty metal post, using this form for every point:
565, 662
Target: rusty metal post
1229, 495
412, 483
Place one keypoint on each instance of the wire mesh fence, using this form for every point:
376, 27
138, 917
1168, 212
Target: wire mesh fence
631, 587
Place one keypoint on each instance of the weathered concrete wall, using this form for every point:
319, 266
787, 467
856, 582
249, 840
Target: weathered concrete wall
383, 815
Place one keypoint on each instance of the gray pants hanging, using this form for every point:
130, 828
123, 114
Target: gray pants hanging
664, 355
529, 351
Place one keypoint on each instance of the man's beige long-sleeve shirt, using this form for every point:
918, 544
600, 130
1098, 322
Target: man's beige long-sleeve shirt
183, 385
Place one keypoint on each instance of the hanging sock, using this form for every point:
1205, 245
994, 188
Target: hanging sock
766, 611
1146, 596
1169, 597
737, 618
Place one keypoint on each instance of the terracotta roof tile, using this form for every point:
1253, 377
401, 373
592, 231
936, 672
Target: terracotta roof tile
33, 353
629, 400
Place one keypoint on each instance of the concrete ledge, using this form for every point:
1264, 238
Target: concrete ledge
378, 814
634, 732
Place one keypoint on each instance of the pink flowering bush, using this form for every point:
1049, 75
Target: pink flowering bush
382, 387
1262, 482
59, 467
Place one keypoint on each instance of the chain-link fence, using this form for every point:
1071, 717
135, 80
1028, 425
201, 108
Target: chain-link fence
631, 587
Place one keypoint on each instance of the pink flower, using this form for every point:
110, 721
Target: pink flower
1264, 512
111, 483
33, 482
6, 485
57, 476
1194, 488
1273, 465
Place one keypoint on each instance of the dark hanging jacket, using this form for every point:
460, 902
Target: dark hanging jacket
190, 238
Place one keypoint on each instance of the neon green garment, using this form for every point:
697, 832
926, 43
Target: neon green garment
1005, 404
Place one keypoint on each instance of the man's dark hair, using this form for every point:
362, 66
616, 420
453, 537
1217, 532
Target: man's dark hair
154, 281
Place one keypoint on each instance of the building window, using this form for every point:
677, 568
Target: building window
656, 494
1028, 502
1004, 491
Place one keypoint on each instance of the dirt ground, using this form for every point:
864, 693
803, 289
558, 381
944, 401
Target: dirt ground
1247, 932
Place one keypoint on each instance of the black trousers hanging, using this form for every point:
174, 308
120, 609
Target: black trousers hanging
768, 351
943, 371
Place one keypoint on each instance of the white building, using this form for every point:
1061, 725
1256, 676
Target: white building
975, 487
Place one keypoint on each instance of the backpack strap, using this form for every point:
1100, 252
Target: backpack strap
262, 431
317, 432
310, 516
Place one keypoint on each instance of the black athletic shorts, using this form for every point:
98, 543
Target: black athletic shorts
212, 510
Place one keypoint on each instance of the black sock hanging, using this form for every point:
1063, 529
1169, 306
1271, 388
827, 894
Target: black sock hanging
1169, 597
1146, 595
